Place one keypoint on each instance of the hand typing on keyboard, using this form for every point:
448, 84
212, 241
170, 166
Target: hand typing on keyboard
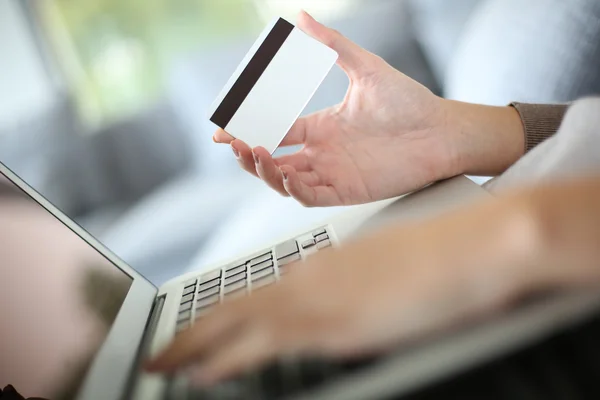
394, 286
389, 136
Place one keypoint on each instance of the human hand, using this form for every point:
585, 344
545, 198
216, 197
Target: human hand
364, 298
386, 138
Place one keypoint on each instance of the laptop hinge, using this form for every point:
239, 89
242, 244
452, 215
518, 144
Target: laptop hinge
145, 343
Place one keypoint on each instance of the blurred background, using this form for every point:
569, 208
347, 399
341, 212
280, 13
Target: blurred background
103, 102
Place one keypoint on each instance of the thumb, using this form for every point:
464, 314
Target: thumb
353, 59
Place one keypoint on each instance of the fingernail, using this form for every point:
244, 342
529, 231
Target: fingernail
256, 159
235, 152
308, 15
285, 176
214, 139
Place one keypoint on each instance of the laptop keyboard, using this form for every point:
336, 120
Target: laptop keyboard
279, 380
240, 278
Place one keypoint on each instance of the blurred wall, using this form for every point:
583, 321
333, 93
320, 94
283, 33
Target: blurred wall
25, 87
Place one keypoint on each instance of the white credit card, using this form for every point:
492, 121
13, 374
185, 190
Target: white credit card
272, 85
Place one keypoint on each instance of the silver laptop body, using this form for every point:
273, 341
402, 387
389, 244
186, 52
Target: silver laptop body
149, 317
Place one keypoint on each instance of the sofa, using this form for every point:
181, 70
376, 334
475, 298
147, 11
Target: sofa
165, 198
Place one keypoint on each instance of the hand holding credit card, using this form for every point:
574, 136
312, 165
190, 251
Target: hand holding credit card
272, 85
386, 126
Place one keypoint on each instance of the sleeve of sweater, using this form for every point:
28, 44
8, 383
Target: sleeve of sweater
540, 121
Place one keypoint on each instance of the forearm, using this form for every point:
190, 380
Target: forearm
486, 139
544, 237
568, 227
508, 246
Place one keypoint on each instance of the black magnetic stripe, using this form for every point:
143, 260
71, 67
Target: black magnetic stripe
253, 71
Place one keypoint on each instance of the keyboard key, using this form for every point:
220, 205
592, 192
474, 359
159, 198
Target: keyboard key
191, 282
308, 243
184, 316
235, 271
236, 286
202, 312
210, 276
261, 266
286, 248
284, 269
185, 307
263, 282
253, 381
235, 265
208, 301
187, 298
272, 380
319, 232
209, 284
290, 373
354, 365
261, 258
263, 273
244, 387
227, 390
233, 279
321, 237
236, 294
188, 290
324, 244
288, 263
183, 325
177, 386
209, 292
313, 373
289, 259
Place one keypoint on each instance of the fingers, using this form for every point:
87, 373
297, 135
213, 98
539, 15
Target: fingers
296, 134
246, 349
261, 164
247, 158
193, 343
231, 339
244, 156
353, 59
221, 136
268, 171
289, 175
244, 334
308, 196
299, 161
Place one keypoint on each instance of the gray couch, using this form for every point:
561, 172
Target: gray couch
164, 197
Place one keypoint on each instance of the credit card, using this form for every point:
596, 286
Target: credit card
272, 85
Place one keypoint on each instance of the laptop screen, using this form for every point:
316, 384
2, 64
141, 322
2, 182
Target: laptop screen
58, 300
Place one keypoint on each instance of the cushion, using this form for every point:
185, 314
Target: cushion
540, 51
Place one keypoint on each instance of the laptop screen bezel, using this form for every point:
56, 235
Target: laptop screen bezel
109, 372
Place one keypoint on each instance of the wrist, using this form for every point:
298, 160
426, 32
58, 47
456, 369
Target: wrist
501, 245
568, 227
483, 140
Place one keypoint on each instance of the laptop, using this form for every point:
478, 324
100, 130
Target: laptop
76, 321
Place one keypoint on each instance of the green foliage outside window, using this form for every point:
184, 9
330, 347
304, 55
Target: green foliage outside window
117, 53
